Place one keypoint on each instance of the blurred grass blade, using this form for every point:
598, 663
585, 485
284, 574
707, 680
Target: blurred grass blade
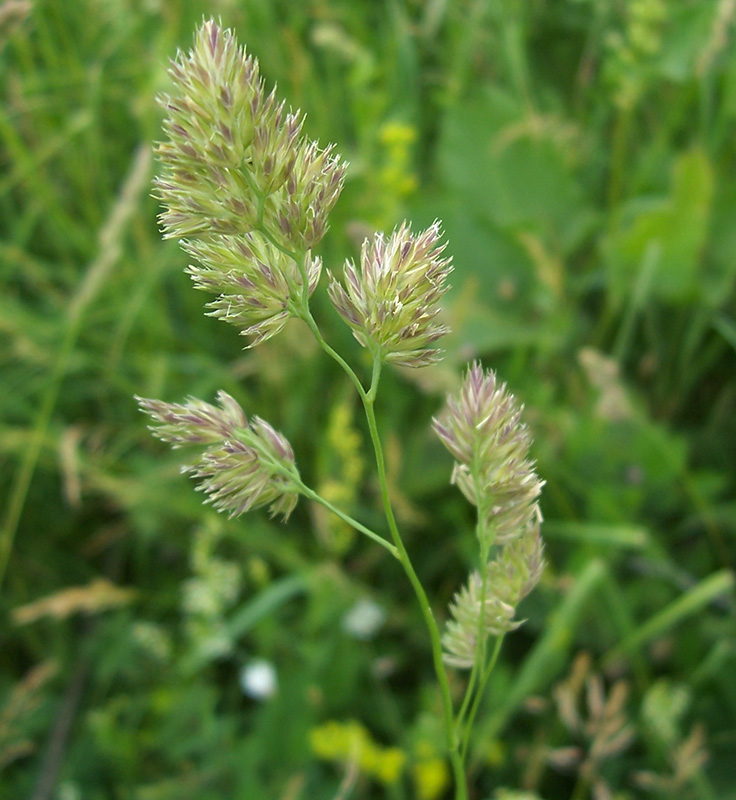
727, 328
261, 606
591, 533
265, 603
687, 605
109, 239
24, 165
624, 625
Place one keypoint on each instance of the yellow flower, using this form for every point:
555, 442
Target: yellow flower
431, 778
337, 741
389, 765
397, 133
350, 741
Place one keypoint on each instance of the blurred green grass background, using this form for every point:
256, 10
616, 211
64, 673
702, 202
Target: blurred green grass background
581, 156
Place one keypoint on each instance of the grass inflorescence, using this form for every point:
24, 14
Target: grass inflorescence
579, 156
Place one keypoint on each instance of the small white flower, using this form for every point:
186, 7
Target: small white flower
364, 619
258, 679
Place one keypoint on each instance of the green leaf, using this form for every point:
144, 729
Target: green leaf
592, 533
266, 602
509, 166
656, 250
687, 605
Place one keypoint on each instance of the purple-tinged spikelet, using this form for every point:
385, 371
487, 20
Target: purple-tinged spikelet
235, 159
509, 579
482, 429
247, 191
391, 301
247, 464
257, 286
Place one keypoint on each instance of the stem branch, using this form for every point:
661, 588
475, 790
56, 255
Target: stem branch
312, 495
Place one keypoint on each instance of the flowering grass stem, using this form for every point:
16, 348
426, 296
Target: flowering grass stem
398, 550
461, 789
250, 197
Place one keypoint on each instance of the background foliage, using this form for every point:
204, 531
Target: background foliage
580, 154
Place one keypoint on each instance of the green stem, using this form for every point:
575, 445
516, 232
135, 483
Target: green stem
376, 376
466, 701
306, 315
312, 495
479, 697
480, 654
431, 623
291, 474
485, 547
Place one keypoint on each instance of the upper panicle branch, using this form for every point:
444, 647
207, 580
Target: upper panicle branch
247, 190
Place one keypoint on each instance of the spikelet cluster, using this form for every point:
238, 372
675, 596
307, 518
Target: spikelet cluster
241, 182
391, 300
258, 287
509, 579
482, 429
245, 464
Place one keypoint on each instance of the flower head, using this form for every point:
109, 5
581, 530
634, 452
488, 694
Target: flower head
250, 193
257, 286
235, 159
391, 301
509, 579
482, 429
247, 464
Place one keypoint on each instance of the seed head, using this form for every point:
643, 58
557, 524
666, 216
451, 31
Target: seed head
391, 301
509, 579
482, 429
235, 159
257, 285
245, 465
